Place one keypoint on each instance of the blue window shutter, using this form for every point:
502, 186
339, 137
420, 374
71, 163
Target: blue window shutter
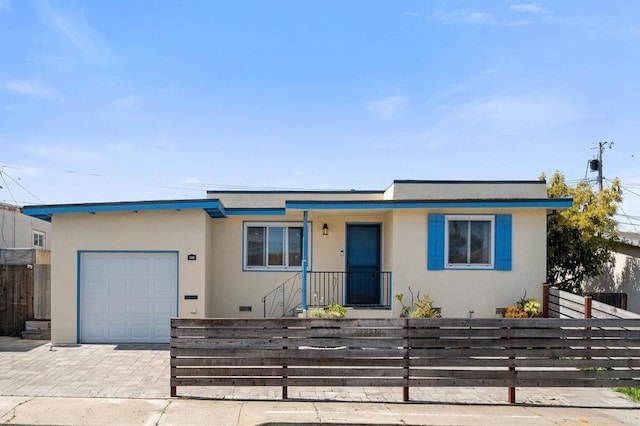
435, 249
503, 242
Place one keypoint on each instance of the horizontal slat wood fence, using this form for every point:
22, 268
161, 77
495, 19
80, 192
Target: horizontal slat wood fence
562, 304
405, 353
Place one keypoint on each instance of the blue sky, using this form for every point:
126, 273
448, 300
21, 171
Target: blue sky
136, 100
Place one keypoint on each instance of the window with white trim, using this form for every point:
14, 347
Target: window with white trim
273, 246
469, 241
38, 239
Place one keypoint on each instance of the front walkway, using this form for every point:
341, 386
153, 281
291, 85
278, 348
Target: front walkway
38, 369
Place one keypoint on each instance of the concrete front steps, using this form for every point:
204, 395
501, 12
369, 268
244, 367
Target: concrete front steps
37, 330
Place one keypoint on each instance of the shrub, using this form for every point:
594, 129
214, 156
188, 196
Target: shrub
333, 310
524, 308
420, 308
514, 312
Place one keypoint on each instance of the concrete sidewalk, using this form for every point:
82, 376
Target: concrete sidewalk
112, 411
127, 384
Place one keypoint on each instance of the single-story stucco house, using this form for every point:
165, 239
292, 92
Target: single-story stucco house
121, 270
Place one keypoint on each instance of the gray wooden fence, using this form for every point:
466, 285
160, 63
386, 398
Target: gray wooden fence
562, 304
405, 353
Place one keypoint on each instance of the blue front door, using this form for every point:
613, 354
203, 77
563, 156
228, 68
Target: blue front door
363, 265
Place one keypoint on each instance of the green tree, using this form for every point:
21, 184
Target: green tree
580, 239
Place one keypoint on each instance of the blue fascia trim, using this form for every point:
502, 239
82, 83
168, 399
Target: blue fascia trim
255, 212
551, 203
212, 206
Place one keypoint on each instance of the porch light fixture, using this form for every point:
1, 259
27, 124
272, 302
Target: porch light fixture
325, 229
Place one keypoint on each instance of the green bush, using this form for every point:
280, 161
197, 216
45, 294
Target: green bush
333, 310
420, 308
524, 308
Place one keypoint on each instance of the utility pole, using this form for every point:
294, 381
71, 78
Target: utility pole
596, 165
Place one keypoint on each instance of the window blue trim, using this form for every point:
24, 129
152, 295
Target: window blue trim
435, 249
551, 203
274, 268
78, 270
213, 207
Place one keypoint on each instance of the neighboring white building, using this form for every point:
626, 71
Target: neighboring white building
121, 270
18, 230
623, 275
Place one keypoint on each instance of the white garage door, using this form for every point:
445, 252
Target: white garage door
127, 296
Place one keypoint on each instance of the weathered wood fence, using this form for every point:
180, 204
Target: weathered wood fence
25, 288
405, 353
562, 304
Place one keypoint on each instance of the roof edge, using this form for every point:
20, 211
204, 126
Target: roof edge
448, 182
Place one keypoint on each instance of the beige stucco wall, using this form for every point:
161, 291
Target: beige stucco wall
278, 199
231, 287
404, 252
217, 275
459, 291
465, 190
181, 231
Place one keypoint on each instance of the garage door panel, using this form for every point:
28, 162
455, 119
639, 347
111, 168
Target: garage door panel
127, 297
141, 331
141, 308
118, 308
163, 308
141, 288
117, 331
162, 331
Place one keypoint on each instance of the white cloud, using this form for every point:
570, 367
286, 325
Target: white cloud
388, 108
74, 26
479, 18
6, 6
27, 88
191, 181
465, 16
126, 102
528, 8
513, 113
632, 30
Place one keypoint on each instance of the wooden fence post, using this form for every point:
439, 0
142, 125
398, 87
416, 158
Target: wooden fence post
545, 300
405, 389
285, 388
511, 391
587, 307
587, 315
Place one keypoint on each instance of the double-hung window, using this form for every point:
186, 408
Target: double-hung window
469, 241
273, 246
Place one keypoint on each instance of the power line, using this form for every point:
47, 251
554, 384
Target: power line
25, 189
2, 173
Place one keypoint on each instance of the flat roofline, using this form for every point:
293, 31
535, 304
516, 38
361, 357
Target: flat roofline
343, 191
464, 182
212, 206
547, 203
